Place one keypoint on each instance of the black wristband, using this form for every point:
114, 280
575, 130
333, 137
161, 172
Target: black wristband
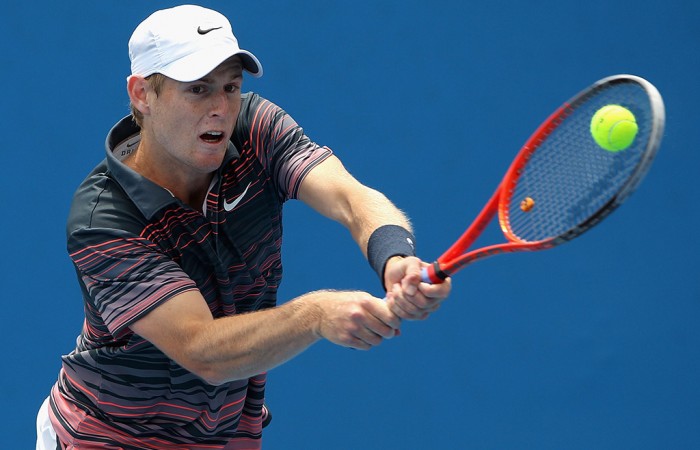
387, 241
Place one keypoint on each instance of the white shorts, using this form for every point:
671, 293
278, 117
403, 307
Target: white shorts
45, 434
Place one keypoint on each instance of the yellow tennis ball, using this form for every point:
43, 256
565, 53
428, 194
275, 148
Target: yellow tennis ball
614, 127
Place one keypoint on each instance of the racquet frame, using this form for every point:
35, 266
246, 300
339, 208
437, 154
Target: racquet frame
457, 256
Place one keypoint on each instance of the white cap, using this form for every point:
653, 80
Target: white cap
185, 43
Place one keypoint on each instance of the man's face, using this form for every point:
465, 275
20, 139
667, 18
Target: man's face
189, 124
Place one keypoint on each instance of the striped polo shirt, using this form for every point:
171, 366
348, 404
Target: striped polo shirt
134, 246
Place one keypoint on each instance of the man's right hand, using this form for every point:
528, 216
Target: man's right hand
353, 318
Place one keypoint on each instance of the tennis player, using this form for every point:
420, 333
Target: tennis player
176, 238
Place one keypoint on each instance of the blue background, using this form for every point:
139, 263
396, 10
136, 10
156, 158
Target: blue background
590, 345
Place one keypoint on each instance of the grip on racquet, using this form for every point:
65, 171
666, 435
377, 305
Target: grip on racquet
425, 278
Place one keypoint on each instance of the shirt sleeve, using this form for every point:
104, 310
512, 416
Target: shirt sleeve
123, 276
280, 143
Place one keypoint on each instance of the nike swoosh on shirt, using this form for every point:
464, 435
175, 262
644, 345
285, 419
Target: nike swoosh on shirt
229, 206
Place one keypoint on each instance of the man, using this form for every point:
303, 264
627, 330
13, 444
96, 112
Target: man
176, 240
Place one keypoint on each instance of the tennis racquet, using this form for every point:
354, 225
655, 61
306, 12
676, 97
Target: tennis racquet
562, 182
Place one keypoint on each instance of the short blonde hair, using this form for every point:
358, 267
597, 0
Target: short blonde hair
155, 81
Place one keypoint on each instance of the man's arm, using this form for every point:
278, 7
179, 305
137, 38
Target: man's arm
240, 346
336, 194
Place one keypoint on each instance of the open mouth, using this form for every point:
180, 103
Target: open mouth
212, 137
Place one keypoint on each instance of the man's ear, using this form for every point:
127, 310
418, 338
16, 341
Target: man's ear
137, 88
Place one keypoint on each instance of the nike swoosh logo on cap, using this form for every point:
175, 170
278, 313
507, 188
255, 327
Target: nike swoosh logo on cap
200, 31
229, 206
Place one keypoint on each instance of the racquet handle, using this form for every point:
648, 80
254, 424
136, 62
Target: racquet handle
432, 274
425, 278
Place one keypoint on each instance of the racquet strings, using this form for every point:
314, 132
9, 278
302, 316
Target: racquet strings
569, 178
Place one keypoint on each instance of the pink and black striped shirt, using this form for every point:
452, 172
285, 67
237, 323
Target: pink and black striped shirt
134, 246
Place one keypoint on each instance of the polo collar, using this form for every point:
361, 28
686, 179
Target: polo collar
148, 196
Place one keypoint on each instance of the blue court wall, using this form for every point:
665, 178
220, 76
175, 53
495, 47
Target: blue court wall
590, 345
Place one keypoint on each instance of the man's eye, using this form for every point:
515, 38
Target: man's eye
196, 89
231, 88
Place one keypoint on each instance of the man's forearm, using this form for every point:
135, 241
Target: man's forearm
241, 346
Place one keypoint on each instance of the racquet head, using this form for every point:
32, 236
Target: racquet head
563, 182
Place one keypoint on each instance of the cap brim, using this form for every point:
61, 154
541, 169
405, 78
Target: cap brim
251, 63
197, 65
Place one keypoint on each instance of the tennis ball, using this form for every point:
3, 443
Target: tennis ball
614, 127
